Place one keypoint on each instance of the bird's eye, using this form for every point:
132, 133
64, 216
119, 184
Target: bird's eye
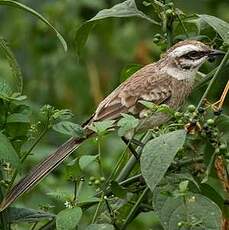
193, 55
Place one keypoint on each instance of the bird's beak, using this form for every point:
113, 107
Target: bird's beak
216, 53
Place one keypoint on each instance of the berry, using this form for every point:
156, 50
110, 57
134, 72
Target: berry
158, 36
169, 12
89, 183
170, 4
210, 122
102, 179
97, 182
222, 147
156, 40
177, 114
92, 178
191, 108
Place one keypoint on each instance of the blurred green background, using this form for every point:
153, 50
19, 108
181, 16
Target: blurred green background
63, 80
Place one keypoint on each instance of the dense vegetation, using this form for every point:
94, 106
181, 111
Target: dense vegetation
49, 84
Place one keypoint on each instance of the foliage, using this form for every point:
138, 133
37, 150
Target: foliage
180, 179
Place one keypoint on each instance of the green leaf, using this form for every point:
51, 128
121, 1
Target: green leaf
16, 72
122, 10
86, 160
69, 128
100, 227
18, 118
100, 127
68, 218
118, 190
36, 14
158, 154
198, 212
7, 152
126, 124
220, 26
17, 215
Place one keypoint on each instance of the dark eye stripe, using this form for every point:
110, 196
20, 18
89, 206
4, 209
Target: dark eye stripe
193, 55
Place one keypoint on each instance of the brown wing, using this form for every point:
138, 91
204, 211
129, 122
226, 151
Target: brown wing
143, 85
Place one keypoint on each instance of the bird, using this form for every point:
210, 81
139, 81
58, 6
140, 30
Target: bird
168, 81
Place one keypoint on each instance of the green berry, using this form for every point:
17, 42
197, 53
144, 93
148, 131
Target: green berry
158, 36
102, 179
215, 134
210, 122
222, 147
217, 150
156, 40
191, 108
89, 183
169, 12
187, 115
178, 114
92, 178
97, 182
170, 4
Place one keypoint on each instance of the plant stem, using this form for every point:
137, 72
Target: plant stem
134, 209
213, 79
77, 191
23, 158
99, 156
182, 25
132, 161
97, 208
3, 215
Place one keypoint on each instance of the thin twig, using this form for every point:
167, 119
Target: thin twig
213, 79
134, 209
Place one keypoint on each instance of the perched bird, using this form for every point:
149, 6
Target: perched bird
168, 81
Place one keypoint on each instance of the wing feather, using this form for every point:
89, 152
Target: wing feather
145, 84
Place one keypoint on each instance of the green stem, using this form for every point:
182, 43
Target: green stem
134, 209
98, 208
23, 158
99, 156
213, 79
77, 191
132, 161
3, 215
183, 26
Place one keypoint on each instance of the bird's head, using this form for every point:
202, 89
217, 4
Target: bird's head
185, 57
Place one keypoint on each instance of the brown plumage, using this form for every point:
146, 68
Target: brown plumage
168, 81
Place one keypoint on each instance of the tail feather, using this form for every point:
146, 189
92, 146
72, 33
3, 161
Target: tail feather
40, 171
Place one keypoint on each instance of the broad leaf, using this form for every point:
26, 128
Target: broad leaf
198, 212
28, 215
18, 118
101, 127
69, 128
21, 6
118, 190
158, 154
86, 160
127, 123
125, 9
100, 227
220, 26
68, 218
7, 152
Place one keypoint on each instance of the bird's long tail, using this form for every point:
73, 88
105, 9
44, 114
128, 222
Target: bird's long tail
40, 171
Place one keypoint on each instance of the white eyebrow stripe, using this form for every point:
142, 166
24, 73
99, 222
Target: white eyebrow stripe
179, 51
